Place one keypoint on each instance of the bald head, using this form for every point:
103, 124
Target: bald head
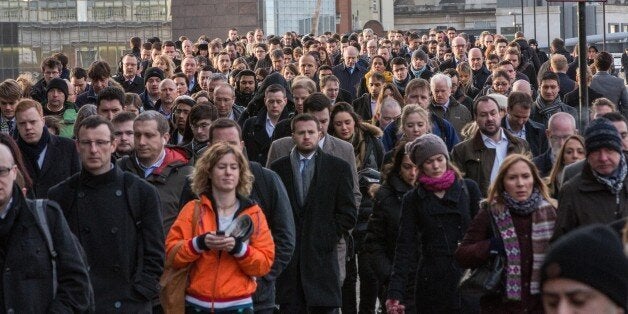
522, 86
459, 46
560, 126
476, 59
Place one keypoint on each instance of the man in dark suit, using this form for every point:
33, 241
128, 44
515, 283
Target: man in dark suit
459, 48
129, 79
517, 122
48, 159
308, 173
365, 105
349, 73
258, 130
608, 85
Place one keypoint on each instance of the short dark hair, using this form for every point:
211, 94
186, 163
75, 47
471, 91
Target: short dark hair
615, 117
316, 102
549, 76
111, 93
62, 58
95, 121
51, 62
78, 73
124, 116
398, 61
519, 99
275, 88
99, 70
304, 117
603, 61
483, 99
223, 123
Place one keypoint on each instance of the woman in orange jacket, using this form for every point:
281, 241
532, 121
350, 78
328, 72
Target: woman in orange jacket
224, 265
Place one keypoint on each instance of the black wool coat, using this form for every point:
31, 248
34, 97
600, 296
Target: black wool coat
329, 213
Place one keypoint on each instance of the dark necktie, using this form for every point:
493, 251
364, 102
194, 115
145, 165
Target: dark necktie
303, 168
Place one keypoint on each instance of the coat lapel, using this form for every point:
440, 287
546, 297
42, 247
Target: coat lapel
50, 157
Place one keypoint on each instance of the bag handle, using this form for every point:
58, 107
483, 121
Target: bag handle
178, 246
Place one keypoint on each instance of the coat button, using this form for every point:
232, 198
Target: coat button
116, 268
114, 230
10, 311
117, 305
86, 230
81, 194
8, 269
118, 193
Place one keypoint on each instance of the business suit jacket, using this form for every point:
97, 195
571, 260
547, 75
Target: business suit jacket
320, 224
612, 88
60, 162
136, 86
362, 106
535, 136
332, 145
255, 138
349, 82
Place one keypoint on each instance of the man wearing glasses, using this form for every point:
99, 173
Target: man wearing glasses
116, 216
26, 263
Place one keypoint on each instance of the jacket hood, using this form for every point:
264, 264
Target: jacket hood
258, 99
523, 44
371, 129
175, 157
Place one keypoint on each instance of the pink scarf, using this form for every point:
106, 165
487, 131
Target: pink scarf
441, 183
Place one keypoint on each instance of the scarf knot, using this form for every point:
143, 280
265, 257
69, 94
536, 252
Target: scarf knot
614, 182
522, 207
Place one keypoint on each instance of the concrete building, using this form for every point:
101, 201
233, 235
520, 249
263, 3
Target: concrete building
85, 30
275, 17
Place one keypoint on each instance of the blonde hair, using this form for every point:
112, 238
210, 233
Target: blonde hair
169, 71
559, 163
201, 181
497, 188
413, 108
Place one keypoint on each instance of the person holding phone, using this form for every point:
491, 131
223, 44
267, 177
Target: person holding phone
222, 278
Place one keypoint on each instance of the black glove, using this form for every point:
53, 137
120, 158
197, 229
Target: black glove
200, 242
237, 247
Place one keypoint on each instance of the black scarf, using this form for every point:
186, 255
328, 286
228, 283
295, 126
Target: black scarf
31, 152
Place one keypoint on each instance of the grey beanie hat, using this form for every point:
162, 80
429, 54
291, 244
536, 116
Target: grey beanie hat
424, 147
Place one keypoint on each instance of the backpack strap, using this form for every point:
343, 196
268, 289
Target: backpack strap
40, 215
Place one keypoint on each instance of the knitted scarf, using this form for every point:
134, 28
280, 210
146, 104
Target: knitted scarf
614, 182
543, 219
441, 183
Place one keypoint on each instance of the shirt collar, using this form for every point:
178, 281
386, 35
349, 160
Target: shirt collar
154, 166
488, 139
523, 129
5, 210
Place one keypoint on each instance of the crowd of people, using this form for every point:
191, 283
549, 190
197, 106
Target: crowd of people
281, 172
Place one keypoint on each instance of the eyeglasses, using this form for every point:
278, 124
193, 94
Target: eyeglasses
388, 119
99, 143
4, 171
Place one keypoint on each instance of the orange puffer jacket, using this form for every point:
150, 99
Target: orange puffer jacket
217, 276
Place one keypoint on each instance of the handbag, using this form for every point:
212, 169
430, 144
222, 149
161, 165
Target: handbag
173, 281
486, 279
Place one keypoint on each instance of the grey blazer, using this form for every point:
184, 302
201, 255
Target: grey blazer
612, 88
333, 146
